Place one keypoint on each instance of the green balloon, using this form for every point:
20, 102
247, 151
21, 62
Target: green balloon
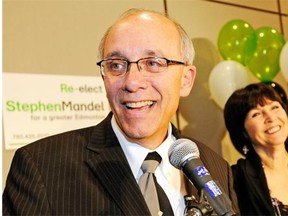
237, 41
265, 61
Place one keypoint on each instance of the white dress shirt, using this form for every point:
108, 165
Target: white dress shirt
170, 178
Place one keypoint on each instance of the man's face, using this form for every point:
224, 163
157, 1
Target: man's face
143, 103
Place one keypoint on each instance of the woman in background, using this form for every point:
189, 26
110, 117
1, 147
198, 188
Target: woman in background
256, 119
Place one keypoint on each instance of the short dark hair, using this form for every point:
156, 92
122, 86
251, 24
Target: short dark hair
239, 104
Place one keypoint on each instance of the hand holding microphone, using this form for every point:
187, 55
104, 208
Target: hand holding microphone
184, 155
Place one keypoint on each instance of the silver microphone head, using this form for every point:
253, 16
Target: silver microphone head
181, 150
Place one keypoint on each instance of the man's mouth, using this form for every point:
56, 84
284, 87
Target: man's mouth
138, 104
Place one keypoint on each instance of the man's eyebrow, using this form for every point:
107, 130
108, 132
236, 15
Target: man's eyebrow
114, 54
118, 54
153, 53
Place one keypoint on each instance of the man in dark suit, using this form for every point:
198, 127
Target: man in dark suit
146, 67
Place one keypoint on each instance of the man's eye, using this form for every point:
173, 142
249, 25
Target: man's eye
117, 65
154, 63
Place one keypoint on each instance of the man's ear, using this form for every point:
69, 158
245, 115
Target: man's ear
188, 78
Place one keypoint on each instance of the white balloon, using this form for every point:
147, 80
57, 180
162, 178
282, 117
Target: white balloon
284, 61
225, 78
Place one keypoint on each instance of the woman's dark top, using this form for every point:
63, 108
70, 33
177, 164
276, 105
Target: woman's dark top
252, 189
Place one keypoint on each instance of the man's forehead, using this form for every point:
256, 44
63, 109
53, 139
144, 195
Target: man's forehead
144, 17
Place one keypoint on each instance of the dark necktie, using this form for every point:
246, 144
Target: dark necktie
153, 193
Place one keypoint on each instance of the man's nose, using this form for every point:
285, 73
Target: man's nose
134, 79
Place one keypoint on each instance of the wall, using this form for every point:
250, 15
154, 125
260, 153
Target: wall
61, 37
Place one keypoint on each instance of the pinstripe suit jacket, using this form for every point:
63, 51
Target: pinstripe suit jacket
85, 172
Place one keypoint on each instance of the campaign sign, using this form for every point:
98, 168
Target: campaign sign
36, 105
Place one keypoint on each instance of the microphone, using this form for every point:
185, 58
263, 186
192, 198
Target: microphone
184, 155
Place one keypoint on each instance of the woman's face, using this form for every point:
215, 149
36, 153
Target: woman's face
267, 125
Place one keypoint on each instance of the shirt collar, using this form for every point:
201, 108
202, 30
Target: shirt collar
136, 153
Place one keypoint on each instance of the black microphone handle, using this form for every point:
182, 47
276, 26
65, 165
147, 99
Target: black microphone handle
197, 173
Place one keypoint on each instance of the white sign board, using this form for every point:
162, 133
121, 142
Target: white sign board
37, 106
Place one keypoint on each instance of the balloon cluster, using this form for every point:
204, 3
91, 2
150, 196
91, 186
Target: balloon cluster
246, 51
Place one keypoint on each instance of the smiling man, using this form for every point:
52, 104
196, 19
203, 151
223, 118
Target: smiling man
147, 65
145, 71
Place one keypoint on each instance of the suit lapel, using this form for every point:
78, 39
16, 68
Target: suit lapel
111, 167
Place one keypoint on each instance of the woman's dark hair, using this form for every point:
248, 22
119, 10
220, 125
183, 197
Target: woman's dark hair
239, 104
